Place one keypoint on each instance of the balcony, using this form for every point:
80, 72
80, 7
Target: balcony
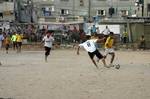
60, 19
124, 20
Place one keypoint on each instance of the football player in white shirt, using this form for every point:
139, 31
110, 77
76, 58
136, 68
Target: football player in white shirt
48, 42
92, 50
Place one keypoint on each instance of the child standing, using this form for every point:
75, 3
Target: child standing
109, 44
7, 41
48, 41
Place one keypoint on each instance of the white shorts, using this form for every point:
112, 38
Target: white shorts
108, 51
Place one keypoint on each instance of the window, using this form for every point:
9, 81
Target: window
64, 12
101, 12
47, 11
148, 7
64, 0
81, 3
124, 13
52, 8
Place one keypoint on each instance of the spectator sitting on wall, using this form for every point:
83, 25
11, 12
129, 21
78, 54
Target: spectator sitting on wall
106, 32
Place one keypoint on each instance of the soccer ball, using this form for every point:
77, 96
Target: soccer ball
117, 66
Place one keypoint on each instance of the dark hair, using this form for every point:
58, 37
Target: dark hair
48, 32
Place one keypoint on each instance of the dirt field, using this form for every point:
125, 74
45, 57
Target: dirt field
68, 76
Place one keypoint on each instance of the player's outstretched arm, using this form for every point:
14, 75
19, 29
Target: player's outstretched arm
100, 40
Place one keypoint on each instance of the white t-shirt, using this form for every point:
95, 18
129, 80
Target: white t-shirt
106, 31
48, 41
89, 45
1, 37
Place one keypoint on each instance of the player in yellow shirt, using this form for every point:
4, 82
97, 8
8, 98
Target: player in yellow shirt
13, 39
109, 44
19, 38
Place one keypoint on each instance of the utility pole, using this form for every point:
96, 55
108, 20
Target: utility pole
89, 10
73, 10
142, 3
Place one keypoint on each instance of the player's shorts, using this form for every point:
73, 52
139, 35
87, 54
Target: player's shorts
47, 50
97, 53
108, 51
19, 44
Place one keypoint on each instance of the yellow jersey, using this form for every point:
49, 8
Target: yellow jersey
125, 34
109, 42
19, 38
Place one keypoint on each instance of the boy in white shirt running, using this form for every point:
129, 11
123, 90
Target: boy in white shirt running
48, 41
92, 50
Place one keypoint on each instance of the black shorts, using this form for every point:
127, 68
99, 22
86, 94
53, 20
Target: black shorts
47, 50
19, 44
97, 53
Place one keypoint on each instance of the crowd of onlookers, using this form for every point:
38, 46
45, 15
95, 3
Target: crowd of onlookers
17, 35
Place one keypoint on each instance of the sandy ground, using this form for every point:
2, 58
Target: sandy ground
68, 76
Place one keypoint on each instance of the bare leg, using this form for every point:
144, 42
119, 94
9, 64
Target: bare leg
112, 58
104, 62
94, 63
45, 58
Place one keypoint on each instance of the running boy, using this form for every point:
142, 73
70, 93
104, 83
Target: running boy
48, 41
109, 44
19, 38
92, 50
7, 42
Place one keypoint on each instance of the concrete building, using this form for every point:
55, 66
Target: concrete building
147, 7
102, 8
24, 11
44, 10
76, 10
7, 10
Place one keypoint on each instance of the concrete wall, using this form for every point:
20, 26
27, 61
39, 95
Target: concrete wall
137, 30
7, 8
140, 29
147, 35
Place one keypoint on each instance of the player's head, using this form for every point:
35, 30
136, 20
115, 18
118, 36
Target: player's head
88, 37
48, 33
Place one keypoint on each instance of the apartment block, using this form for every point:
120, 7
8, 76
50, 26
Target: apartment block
6, 10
